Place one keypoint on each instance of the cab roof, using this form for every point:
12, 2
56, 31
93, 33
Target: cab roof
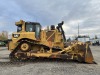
21, 22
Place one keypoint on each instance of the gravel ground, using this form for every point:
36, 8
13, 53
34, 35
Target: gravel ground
48, 67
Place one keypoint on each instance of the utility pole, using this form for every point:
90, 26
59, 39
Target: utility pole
78, 29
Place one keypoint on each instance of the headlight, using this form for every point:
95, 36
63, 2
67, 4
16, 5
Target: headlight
16, 35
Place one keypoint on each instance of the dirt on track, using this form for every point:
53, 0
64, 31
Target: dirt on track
48, 66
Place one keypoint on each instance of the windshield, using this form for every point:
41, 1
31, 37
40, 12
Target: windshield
19, 28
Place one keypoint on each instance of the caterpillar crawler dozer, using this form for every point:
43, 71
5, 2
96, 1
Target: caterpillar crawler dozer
30, 42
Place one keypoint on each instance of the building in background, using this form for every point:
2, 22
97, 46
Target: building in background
84, 38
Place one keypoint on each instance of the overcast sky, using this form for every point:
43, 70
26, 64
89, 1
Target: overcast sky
86, 13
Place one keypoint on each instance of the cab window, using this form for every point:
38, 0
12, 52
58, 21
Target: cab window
19, 28
29, 27
33, 27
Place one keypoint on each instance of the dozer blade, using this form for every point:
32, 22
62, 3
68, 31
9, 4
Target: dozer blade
85, 54
88, 55
79, 51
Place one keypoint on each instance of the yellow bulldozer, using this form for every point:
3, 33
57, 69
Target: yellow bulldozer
31, 42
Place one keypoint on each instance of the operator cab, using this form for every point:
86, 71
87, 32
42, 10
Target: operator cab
29, 27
